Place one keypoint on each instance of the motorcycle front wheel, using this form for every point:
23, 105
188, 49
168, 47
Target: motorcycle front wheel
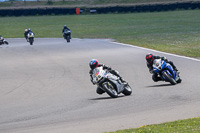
169, 78
31, 41
110, 90
68, 39
6, 42
127, 90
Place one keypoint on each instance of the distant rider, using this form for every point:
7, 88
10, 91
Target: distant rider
93, 64
2, 40
150, 58
26, 33
66, 28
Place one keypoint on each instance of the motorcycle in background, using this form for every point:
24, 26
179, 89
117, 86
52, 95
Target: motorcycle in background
67, 35
31, 38
166, 71
3, 41
110, 83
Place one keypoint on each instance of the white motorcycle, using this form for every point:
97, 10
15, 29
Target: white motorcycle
3, 41
110, 83
31, 38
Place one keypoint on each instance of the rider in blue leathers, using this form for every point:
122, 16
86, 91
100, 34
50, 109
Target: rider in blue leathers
150, 58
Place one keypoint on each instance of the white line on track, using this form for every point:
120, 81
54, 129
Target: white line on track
157, 51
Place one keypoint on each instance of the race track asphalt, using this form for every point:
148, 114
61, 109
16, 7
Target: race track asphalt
46, 88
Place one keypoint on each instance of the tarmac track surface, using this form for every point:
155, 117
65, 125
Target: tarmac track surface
45, 88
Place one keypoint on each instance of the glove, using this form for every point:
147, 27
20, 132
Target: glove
116, 72
109, 68
151, 71
90, 72
92, 81
164, 58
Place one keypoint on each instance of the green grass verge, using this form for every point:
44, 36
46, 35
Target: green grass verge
174, 31
181, 126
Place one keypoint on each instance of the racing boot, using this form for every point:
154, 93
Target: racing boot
99, 91
175, 69
122, 80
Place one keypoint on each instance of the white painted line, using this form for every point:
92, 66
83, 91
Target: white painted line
157, 51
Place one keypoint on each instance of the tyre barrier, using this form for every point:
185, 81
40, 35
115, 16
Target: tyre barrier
101, 10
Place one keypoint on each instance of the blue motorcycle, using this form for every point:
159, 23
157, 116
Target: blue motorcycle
166, 71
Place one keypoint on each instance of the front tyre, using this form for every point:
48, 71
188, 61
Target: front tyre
127, 90
6, 42
68, 39
31, 41
179, 80
110, 90
169, 78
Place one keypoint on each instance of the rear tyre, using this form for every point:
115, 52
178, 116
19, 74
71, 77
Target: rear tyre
127, 90
110, 90
169, 78
179, 81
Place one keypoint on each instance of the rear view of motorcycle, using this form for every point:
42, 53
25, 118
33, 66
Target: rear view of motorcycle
110, 83
31, 38
67, 35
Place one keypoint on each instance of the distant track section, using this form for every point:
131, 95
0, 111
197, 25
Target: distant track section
150, 7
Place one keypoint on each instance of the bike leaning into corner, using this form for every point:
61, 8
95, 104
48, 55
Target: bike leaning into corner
110, 83
166, 72
3, 41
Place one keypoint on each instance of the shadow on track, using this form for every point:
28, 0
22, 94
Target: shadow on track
104, 98
161, 85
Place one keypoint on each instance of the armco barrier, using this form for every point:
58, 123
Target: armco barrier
100, 10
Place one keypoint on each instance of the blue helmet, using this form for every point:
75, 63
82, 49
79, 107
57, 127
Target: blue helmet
93, 63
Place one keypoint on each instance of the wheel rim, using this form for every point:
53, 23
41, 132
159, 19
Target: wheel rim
112, 90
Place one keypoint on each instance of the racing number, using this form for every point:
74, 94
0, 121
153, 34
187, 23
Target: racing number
98, 77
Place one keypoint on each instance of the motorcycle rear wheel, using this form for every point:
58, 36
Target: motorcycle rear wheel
179, 81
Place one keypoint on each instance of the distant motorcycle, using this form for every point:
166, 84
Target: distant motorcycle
31, 38
110, 83
67, 34
3, 41
166, 72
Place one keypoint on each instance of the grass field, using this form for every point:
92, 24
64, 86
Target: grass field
180, 126
175, 31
